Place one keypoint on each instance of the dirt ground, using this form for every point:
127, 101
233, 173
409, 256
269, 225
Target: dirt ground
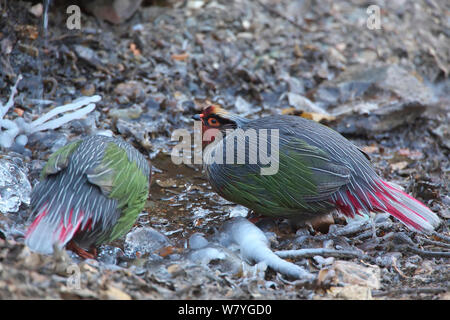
386, 89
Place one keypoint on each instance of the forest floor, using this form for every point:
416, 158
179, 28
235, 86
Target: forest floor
387, 90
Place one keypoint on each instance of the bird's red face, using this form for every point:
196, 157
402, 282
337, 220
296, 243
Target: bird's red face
214, 120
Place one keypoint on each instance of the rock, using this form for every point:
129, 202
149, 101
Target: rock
353, 292
242, 106
88, 90
113, 293
144, 240
29, 258
373, 99
133, 112
109, 254
195, 4
136, 130
197, 241
15, 188
114, 11
443, 133
399, 165
175, 270
88, 55
36, 10
72, 294
350, 273
383, 119
302, 103
50, 139
362, 81
133, 90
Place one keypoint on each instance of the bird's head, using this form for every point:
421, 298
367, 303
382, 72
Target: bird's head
215, 119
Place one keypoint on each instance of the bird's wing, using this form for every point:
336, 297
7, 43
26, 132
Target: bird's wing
120, 178
59, 159
305, 180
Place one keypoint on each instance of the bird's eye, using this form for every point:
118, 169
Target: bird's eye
213, 122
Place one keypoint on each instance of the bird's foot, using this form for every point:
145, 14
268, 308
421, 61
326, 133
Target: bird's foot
91, 254
254, 218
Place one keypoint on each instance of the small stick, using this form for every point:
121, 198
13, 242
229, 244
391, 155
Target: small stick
436, 243
441, 236
4, 108
394, 264
408, 290
309, 253
433, 254
347, 230
412, 247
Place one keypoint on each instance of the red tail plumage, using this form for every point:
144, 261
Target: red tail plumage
44, 233
390, 199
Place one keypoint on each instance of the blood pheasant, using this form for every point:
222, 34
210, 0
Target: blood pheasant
91, 192
318, 170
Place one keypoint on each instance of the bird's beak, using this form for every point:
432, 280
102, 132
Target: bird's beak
196, 117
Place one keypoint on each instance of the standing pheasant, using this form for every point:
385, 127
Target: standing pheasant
318, 171
91, 191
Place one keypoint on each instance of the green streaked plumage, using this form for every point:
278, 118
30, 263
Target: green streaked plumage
314, 165
59, 159
91, 191
297, 186
129, 186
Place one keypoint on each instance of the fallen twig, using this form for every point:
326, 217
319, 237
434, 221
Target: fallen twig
433, 254
435, 243
377, 293
363, 236
309, 253
394, 264
369, 233
352, 228
411, 246
441, 236
5, 107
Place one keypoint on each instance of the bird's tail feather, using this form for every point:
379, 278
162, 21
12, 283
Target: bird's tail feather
43, 234
407, 209
389, 198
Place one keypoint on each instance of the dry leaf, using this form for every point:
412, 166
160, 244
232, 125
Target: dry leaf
19, 111
134, 49
180, 57
370, 149
308, 115
353, 292
399, 165
113, 293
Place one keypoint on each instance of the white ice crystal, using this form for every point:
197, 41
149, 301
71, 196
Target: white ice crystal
15, 188
254, 246
17, 130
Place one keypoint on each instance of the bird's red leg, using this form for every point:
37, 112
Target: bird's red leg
72, 246
254, 218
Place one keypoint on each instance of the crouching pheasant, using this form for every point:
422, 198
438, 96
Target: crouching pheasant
318, 171
91, 192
